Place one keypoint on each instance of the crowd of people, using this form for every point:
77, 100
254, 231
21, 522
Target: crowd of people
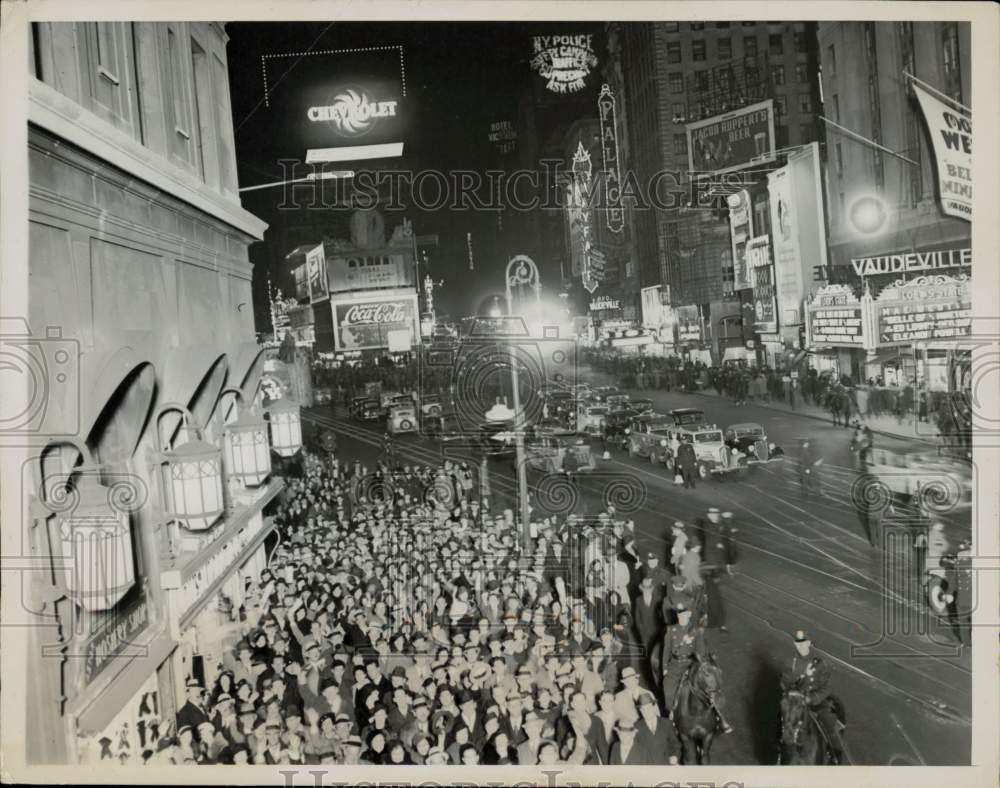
400, 621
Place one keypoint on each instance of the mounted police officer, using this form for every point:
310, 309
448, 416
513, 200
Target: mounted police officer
809, 674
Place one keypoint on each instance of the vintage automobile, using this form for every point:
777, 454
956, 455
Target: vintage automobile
547, 448
934, 483
711, 451
649, 435
686, 417
618, 423
641, 404
602, 393
751, 440
322, 395
559, 402
431, 405
402, 418
496, 439
365, 408
590, 418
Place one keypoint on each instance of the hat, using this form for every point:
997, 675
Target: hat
192, 683
645, 700
183, 728
399, 670
626, 725
223, 698
342, 718
532, 717
420, 702
652, 557
727, 515
801, 636
353, 741
678, 525
247, 708
682, 608
292, 711
442, 718
713, 510
629, 673
524, 670
647, 582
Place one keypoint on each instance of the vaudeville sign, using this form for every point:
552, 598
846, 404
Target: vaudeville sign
564, 61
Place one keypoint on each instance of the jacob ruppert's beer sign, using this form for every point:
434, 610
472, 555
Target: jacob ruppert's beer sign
353, 112
564, 62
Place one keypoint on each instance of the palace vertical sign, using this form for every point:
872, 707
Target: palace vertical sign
609, 148
951, 135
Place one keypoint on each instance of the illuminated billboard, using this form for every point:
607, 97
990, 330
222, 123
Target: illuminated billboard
367, 321
732, 141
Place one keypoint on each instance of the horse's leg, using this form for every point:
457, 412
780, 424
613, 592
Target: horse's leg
689, 750
706, 748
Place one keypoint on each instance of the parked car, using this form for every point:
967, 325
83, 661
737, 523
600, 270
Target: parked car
751, 440
649, 435
602, 393
365, 408
687, 417
547, 449
402, 418
618, 424
590, 418
711, 451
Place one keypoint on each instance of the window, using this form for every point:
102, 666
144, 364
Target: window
950, 61
839, 159
673, 51
183, 127
698, 49
725, 48
680, 144
205, 112
671, 27
836, 109
913, 149
678, 110
780, 106
675, 81
775, 44
701, 79
840, 204
831, 60
697, 25
778, 75
110, 67
224, 125
722, 25
801, 73
805, 132
805, 103
799, 39
750, 46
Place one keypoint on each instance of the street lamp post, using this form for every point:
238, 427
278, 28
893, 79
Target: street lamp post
521, 270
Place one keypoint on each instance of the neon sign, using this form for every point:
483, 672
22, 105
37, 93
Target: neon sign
353, 112
609, 148
564, 61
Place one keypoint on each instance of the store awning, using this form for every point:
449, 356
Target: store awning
888, 354
122, 685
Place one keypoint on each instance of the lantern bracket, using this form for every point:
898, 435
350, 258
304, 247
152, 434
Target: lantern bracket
188, 422
41, 506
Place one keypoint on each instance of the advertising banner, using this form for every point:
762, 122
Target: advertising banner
951, 136
762, 279
316, 273
835, 318
688, 322
333, 98
503, 135
741, 230
926, 308
371, 269
612, 170
363, 321
728, 142
652, 308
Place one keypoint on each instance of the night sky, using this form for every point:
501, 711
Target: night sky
459, 78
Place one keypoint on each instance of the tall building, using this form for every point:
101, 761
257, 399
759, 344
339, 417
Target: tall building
882, 206
681, 73
140, 302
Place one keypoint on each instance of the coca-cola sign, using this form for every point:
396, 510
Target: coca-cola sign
360, 325
385, 312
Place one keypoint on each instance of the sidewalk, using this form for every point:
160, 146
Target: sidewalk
881, 425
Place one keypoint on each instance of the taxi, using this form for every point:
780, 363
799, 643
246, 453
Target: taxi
713, 455
649, 435
547, 449
590, 418
402, 418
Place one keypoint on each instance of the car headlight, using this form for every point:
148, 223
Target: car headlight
751, 448
735, 451
771, 447
628, 431
663, 443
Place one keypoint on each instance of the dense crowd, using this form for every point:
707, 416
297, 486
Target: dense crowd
399, 621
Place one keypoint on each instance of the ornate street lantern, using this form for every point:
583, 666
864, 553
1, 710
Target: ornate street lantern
286, 427
248, 456
192, 475
95, 535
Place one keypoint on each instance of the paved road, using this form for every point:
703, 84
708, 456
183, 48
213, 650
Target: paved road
804, 564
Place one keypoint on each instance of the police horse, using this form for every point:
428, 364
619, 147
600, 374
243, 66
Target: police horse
693, 712
803, 742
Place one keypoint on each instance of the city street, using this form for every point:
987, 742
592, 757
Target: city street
803, 564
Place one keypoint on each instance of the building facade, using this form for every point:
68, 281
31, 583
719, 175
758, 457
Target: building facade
880, 205
681, 73
140, 294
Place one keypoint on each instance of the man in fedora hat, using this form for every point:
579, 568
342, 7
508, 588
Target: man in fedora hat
625, 699
809, 674
655, 737
193, 712
647, 615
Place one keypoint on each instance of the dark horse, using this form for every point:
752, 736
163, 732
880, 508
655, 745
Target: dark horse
803, 742
694, 715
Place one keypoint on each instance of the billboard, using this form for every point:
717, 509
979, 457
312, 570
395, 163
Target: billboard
370, 269
333, 98
762, 278
741, 230
563, 61
835, 318
365, 321
652, 307
728, 142
316, 273
951, 136
925, 309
